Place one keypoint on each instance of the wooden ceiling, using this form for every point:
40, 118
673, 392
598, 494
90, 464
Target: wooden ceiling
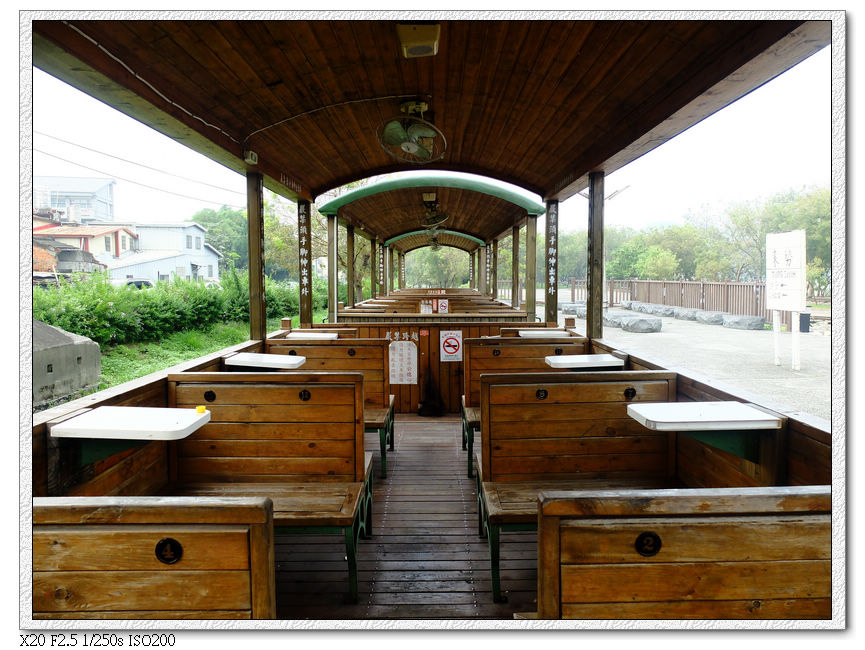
539, 104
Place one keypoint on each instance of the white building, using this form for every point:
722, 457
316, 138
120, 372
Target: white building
166, 251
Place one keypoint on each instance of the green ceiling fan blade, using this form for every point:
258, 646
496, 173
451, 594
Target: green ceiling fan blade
422, 152
393, 134
416, 131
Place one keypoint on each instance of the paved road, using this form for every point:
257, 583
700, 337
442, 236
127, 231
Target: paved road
740, 359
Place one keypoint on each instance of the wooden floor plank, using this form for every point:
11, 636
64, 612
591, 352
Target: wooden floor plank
425, 560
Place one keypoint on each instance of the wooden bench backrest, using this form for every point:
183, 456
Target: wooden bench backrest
97, 557
564, 425
271, 427
728, 553
367, 356
498, 355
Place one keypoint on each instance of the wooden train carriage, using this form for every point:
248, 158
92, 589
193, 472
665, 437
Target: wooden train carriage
661, 77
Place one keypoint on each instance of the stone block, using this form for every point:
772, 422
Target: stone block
741, 322
641, 324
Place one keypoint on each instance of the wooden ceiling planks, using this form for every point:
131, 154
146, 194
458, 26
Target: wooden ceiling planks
535, 103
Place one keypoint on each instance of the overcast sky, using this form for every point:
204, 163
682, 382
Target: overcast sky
773, 140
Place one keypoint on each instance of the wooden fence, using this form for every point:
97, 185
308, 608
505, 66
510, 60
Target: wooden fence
745, 298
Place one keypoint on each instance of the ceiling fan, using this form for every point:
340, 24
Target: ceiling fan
433, 217
410, 138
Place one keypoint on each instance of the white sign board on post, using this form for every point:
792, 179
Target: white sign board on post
785, 283
785, 271
451, 345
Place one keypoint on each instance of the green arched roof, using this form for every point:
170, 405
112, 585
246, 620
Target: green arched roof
458, 182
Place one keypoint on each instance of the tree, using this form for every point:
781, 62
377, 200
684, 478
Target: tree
622, 264
227, 233
656, 263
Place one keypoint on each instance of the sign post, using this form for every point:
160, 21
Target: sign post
785, 284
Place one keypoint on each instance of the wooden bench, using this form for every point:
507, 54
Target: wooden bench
296, 438
544, 431
367, 356
721, 553
149, 557
500, 355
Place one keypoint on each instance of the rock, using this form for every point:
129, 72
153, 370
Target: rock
685, 313
740, 322
711, 317
661, 310
641, 324
614, 318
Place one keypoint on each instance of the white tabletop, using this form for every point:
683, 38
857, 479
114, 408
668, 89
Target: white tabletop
702, 416
541, 333
324, 336
580, 361
258, 360
132, 423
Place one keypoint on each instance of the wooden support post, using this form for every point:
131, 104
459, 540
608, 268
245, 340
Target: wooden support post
402, 270
515, 267
595, 261
494, 271
349, 266
373, 268
304, 241
381, 288
255, 234
531, 261
482, 265
472, 274
332, 268
551, 282
390, 270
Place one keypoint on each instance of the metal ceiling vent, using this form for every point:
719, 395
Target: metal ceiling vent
418, 39
410, 138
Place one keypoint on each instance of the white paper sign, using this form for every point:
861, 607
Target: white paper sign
785, 271
403, 362
451, 345
443, 306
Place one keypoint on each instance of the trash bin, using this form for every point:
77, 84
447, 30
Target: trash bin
804, 322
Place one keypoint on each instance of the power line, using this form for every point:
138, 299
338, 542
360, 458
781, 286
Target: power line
132, 162
157, 189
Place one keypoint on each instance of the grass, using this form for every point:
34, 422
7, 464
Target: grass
122, 363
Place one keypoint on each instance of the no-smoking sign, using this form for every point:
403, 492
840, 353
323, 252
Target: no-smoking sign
451, 346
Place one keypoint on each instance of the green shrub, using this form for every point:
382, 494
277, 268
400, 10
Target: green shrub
91, 306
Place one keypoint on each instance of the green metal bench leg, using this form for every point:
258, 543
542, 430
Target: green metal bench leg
493, 534
465, 427
390, 431
382, 443
482, 513
366, 510
351, 555
470, 440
